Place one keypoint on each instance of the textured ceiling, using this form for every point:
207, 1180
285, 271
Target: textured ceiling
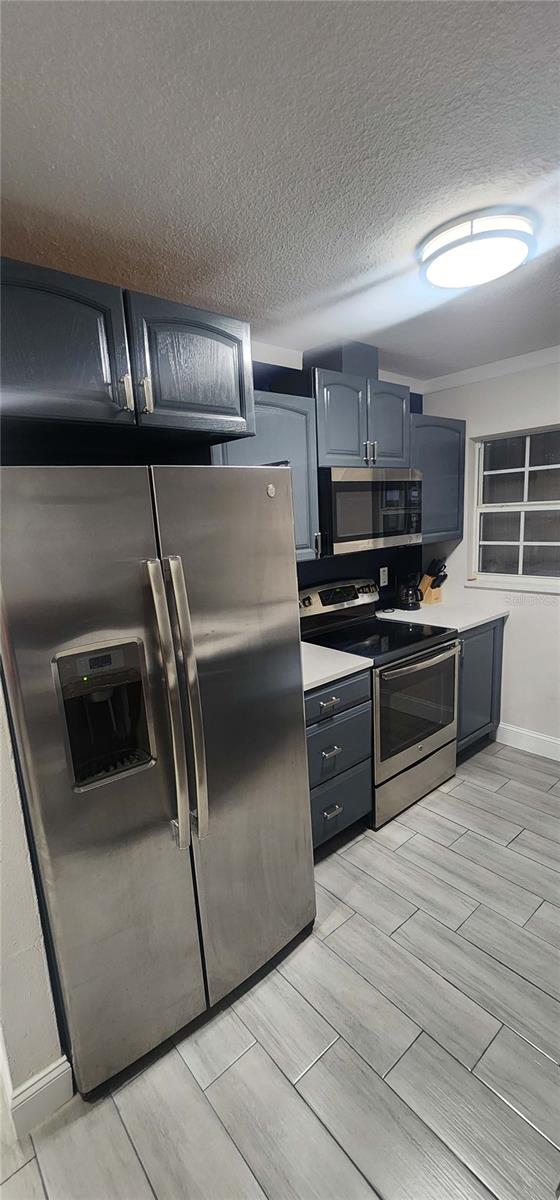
281, 160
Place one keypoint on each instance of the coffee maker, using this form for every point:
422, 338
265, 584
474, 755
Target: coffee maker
409, 595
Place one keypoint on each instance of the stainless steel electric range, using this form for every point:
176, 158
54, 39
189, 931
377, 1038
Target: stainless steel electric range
415, 684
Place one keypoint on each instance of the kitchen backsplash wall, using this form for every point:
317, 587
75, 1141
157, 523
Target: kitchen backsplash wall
400, 562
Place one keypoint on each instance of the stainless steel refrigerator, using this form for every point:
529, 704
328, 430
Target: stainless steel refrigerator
152, 666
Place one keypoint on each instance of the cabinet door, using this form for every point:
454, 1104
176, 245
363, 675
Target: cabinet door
342, 425
285, 432
192, 369
480, 681
438, 451
389, 423
64, 351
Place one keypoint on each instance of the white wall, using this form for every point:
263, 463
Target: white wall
32, 1055
521, 400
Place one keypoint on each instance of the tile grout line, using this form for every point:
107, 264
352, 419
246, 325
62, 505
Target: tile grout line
255, 1042
536, 812
413, 1019
477, 1002
136, 1152
21, 1166
439, 1135
294, 1082
490, 1043
415, 1114
530, 918
407, 862
531, 982
474, 862
513, 882
259, 1182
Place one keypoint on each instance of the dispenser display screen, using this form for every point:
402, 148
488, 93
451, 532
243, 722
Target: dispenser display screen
101, 660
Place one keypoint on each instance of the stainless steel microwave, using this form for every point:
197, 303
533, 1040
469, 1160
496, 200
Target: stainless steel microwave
369, 508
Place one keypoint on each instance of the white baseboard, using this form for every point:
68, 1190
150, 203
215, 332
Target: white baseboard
41, 1095
527, 739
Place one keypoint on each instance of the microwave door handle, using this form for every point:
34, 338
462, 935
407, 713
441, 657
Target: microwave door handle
419, 666
180, 826
194, 704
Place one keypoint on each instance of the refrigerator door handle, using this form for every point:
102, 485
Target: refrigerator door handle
180, 596
180, 826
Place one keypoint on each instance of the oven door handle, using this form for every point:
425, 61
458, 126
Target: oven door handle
419, 666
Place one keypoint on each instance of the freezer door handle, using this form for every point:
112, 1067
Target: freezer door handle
180, 827
194, 705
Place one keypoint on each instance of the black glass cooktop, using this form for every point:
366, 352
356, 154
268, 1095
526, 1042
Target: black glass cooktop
381, 641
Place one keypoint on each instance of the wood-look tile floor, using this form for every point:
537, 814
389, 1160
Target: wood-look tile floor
407, 1050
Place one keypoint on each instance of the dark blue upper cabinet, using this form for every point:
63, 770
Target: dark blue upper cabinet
285, 432
342, 419
438, 451
361, 422
64, 348
389, 423
191, 368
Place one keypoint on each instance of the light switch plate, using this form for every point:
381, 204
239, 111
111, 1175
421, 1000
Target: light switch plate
383, 576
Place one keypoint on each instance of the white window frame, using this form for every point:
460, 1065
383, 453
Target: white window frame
519, 582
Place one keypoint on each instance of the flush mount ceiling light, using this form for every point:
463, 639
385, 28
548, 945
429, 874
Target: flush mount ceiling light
477, 247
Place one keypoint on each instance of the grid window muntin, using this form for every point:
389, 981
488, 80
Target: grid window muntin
518, 507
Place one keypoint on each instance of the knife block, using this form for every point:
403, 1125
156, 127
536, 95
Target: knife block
430, 595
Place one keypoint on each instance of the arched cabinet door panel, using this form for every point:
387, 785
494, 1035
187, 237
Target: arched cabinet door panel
342, 419
389, 423
438, 451
64, 347
285, 433
192, 369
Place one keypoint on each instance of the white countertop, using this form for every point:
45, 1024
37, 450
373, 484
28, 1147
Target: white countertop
455, 613
321, 665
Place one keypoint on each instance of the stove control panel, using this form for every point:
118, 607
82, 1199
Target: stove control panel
330, 597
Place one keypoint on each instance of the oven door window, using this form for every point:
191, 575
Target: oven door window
414, 704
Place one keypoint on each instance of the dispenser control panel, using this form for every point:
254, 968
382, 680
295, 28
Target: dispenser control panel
105, 711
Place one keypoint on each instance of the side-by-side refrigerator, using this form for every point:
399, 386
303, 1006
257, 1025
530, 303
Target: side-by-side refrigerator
152, 666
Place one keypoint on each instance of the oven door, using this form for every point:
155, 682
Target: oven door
415, 709
371, 508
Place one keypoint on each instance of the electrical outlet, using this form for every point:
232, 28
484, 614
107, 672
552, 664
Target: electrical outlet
383, 576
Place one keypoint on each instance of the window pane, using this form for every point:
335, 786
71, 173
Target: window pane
545, 448
541, 560
501, 560
500, 527
544, 485
504, 453
503, 489
542, 527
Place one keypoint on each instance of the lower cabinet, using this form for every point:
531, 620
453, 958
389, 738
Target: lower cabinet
480, 682
339, 755
286, 431
339, 803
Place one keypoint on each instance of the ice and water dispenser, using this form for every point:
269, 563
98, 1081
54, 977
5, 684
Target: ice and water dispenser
105, 711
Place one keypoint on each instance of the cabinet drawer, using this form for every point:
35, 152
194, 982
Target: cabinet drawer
339, 803
335, 745
334, 698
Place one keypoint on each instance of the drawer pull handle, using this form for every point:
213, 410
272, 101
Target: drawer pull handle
335, 811
334, 700
326, 754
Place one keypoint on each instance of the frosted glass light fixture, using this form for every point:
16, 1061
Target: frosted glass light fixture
477, 247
